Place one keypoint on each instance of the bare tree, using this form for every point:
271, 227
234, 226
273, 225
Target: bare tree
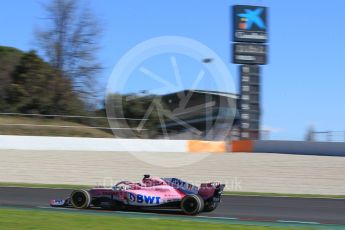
69, 40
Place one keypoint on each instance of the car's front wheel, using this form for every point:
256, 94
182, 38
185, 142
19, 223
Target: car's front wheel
192, 204
80, 199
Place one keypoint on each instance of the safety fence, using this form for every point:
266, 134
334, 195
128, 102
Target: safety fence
66, 118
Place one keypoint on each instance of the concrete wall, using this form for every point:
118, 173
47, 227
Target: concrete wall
90, 144
109, 144
290, 147
178, 146
301, 147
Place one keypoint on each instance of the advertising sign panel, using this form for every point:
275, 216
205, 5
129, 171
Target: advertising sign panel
250, 23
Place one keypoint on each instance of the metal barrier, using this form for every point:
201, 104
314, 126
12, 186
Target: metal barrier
69, 126
69, 116
328, 136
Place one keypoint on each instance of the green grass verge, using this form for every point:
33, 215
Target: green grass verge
29, 219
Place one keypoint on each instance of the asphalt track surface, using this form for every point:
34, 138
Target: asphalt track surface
242, 208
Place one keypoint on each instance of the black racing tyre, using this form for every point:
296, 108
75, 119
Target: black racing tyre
80, 199
192, 204
210, 206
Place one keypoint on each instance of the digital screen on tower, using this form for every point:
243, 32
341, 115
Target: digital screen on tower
249, 53
250, 23
249, 108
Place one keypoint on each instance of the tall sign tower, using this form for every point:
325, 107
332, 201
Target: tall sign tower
250, 51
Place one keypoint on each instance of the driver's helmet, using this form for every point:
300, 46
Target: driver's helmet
152, 181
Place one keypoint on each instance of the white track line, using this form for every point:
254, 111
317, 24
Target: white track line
297, 222
215, 217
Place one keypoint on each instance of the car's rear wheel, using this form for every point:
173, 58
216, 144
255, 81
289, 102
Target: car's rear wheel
192, 204
80, 199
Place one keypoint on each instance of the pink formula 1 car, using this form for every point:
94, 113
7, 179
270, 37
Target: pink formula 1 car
170, 193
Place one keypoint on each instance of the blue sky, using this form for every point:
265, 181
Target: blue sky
303, 84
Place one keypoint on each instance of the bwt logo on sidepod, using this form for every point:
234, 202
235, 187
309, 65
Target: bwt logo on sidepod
140, 199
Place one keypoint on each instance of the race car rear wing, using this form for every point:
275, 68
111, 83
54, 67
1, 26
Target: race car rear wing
213, 189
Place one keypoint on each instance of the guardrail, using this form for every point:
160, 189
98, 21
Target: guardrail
68, 116
71, 117
265, 134
329, 136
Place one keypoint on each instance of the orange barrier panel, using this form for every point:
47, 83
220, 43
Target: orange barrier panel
242, 146
195, 146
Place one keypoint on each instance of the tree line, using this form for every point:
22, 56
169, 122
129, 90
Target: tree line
60, 77
31, 85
